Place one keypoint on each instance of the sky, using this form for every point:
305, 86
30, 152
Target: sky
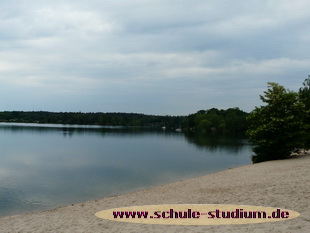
155, 57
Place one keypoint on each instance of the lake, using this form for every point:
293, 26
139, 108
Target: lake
44, 166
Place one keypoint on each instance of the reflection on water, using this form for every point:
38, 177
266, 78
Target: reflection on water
231, 143
44, 166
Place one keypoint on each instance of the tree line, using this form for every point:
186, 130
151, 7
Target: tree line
205, 121
98, 118
232, 120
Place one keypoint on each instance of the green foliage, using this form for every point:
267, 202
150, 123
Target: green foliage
278, 127
232, 120
109, 119
304, 93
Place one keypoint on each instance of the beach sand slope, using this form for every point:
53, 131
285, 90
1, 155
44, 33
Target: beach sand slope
281, 184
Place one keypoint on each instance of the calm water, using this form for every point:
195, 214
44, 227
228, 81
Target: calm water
45, 166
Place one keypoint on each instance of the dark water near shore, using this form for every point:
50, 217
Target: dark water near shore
45, 166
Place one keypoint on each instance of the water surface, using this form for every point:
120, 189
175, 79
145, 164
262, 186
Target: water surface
45, 166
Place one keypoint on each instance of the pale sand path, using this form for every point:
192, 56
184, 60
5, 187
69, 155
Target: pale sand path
282, 184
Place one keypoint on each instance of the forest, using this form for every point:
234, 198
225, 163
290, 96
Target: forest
98, 118
205, 121
232, 120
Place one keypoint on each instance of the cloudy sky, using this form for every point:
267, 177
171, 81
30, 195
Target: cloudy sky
162, 57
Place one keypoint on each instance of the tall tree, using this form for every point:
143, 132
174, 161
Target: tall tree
276, 128
304, 93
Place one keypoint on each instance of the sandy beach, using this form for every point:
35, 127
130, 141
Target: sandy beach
281, 184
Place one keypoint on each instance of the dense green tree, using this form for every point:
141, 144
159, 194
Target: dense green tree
304, 93
276, 128
232, 120
110, 119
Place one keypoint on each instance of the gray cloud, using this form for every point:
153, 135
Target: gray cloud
157, 57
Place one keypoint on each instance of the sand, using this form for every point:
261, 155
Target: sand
282, 184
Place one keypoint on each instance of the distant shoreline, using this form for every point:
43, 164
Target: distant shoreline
90, 118
281, 183
232, 120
